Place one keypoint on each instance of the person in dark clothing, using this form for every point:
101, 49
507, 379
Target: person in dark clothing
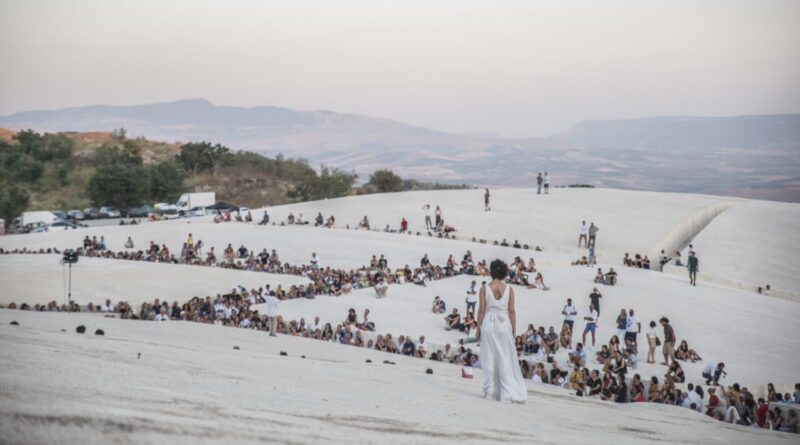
595, 297
539, 181
693, 266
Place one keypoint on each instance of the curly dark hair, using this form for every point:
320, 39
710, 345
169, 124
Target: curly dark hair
498, 270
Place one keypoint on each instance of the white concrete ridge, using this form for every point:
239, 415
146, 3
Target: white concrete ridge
180, 382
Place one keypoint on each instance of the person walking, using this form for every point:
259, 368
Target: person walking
272, 313
693, 265
539, 181
472, 298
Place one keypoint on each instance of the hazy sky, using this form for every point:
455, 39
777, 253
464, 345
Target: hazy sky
516, 68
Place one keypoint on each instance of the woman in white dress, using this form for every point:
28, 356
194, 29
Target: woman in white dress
502, 378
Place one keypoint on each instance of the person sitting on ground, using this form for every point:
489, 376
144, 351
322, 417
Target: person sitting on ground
686, 354
438, 306
566, 336
381, 288
470, 325
675, 373
551, 341
654, 392
600, 276
603, 355
364, 223
611, 277
539, 282
578, 355
129, 243
452, 321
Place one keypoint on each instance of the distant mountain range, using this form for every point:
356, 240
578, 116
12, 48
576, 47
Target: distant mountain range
752, 156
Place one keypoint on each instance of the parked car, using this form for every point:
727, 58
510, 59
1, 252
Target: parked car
143, 212
76, 215
91, 213
170, 212
61, 215
61, 225
196, 211
109, 212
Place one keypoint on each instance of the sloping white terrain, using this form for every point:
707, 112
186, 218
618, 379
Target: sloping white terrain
754, 242
190, 385
180, 382
41, 279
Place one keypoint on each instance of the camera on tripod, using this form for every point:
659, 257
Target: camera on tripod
70, 257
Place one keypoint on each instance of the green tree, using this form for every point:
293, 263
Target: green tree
202, 156
118, 185
13, 201
328, 184
165, 181
384, 181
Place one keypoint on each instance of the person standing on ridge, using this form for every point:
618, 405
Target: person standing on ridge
593, 229
539, 181
693, 266
486, 200
546, 183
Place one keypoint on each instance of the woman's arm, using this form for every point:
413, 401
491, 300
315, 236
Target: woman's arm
481, 312
512, 313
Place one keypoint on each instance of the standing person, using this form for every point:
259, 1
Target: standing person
190, 242
595, 297
622, 324
472, 298
546, 183
427, 209
632, 328
539, 181
438, 216
669, 341
486, 200
583, 233
593, 229
272, 313
569, 312
591, 324
693, 266
497, 320
652, 342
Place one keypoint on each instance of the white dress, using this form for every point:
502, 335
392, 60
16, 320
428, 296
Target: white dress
502, 377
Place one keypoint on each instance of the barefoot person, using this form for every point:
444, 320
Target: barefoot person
502, 377
486, 200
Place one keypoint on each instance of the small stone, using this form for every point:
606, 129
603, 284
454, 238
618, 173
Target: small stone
14, 323
283, 353
236, 348
429, 371
99, 332
80, 329
369, 361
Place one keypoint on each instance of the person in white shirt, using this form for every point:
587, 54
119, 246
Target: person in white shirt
652, 337
696, 397
546, 183
314, 261
272, 313
108, 307
569, 312
427, 209
472, 298
632, 327
583, 234
314, 326
380, 288
591, 324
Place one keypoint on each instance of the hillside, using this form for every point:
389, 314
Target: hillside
748, 156
54, 171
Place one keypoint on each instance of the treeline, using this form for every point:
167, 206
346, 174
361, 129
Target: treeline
36, 167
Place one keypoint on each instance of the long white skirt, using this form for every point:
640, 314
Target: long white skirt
502, 377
